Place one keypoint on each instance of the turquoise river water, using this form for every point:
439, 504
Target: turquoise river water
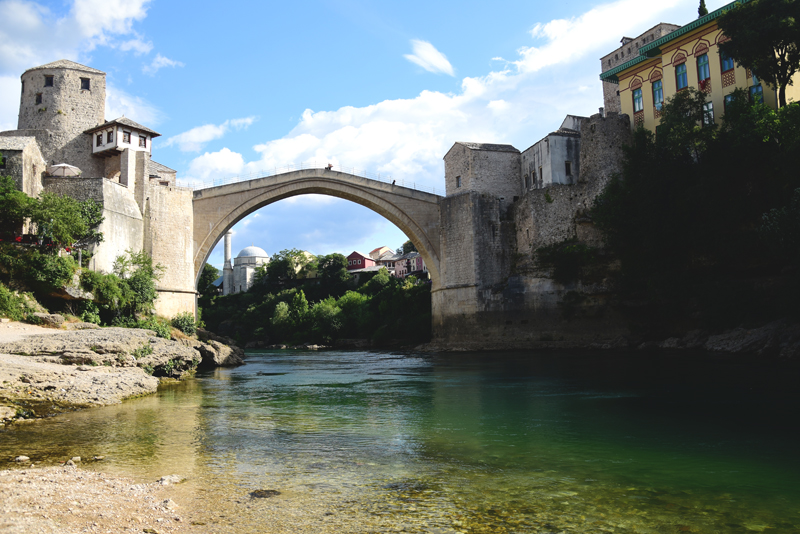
506, 442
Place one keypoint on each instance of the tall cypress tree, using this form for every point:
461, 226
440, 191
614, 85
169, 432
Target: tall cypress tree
702, 10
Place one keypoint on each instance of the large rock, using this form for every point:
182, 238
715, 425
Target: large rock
48, 319
111, 347
216, 354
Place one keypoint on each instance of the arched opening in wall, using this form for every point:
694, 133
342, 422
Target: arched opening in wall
316, 269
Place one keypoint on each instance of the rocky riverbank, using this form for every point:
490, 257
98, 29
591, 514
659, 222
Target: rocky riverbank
66, 500
45, 371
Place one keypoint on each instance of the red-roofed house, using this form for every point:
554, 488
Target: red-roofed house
357, 260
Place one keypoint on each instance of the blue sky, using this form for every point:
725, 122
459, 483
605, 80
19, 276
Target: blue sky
237, 87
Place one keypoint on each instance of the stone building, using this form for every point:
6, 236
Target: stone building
629, 49
688, 56
239, 274
62, 120
555, 159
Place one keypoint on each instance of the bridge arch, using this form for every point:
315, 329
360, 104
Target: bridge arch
416, 213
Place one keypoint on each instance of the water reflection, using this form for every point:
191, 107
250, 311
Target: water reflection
460, 443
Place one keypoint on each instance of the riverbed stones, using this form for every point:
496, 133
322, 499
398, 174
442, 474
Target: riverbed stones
7, 412
264, 493
22, 459
171, 479
217, 354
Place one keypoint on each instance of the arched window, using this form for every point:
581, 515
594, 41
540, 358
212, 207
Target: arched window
638, 102
703, 72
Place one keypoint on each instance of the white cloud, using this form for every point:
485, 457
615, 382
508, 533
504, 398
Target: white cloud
37, 36
570, 39
193, 140
159, 62
9, 93
119, 103
215, 165
426, 56
138, 46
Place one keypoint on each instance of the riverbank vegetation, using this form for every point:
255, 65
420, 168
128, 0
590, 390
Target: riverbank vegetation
705, 219
284, 306
40, 240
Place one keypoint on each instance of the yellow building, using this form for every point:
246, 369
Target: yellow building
687, 57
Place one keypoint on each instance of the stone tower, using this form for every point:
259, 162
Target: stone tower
59, 102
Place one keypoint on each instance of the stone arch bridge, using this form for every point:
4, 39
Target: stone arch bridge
416, 213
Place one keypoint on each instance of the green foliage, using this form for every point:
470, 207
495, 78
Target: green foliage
16, 205
406, 247
684, 217
157, 324
145, 350
780, 229
567, 258
702, 10
547, 197
13, 305
764, 37
185, 322
383, 308
205, 285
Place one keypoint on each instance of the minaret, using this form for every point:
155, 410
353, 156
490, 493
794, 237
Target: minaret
227, 269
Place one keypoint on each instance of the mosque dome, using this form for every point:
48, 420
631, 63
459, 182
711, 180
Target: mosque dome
252, 252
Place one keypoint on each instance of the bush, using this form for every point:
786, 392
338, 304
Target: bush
185, 322
13, 305
567, 259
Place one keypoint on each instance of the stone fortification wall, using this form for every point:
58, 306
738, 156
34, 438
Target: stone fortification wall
122, 225
484, 168
547, 216
544, 163
169, 223
24, 160
509, 301
61, 112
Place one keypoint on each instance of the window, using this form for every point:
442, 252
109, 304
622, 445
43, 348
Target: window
638, 104
126, 137
48, 81
681, 82
99, 139
727, 62
110, 137
658, 94
38, 98
568, 167
142, 141
528, 181
703, 72
708, 114
85, 84
728, 100
458, 181
358, 261
756, 94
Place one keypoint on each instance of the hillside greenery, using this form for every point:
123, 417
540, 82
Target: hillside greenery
288, 308
705, 220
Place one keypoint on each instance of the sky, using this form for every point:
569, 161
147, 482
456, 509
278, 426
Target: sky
238, 87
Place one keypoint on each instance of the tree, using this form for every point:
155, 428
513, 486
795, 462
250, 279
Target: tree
207, 277
702, 11
764, 36
407, 247
15, 206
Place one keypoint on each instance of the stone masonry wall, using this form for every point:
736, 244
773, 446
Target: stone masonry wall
64, 113
122, 225
169, 223
510, 303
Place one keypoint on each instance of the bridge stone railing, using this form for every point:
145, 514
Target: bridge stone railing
380, 177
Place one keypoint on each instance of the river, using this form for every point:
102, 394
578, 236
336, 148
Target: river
493, 442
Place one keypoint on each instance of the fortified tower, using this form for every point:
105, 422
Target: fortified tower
59, 102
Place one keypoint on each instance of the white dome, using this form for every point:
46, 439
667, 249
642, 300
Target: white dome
253, 252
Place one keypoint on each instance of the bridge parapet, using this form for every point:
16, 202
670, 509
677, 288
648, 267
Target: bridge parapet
353, 171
